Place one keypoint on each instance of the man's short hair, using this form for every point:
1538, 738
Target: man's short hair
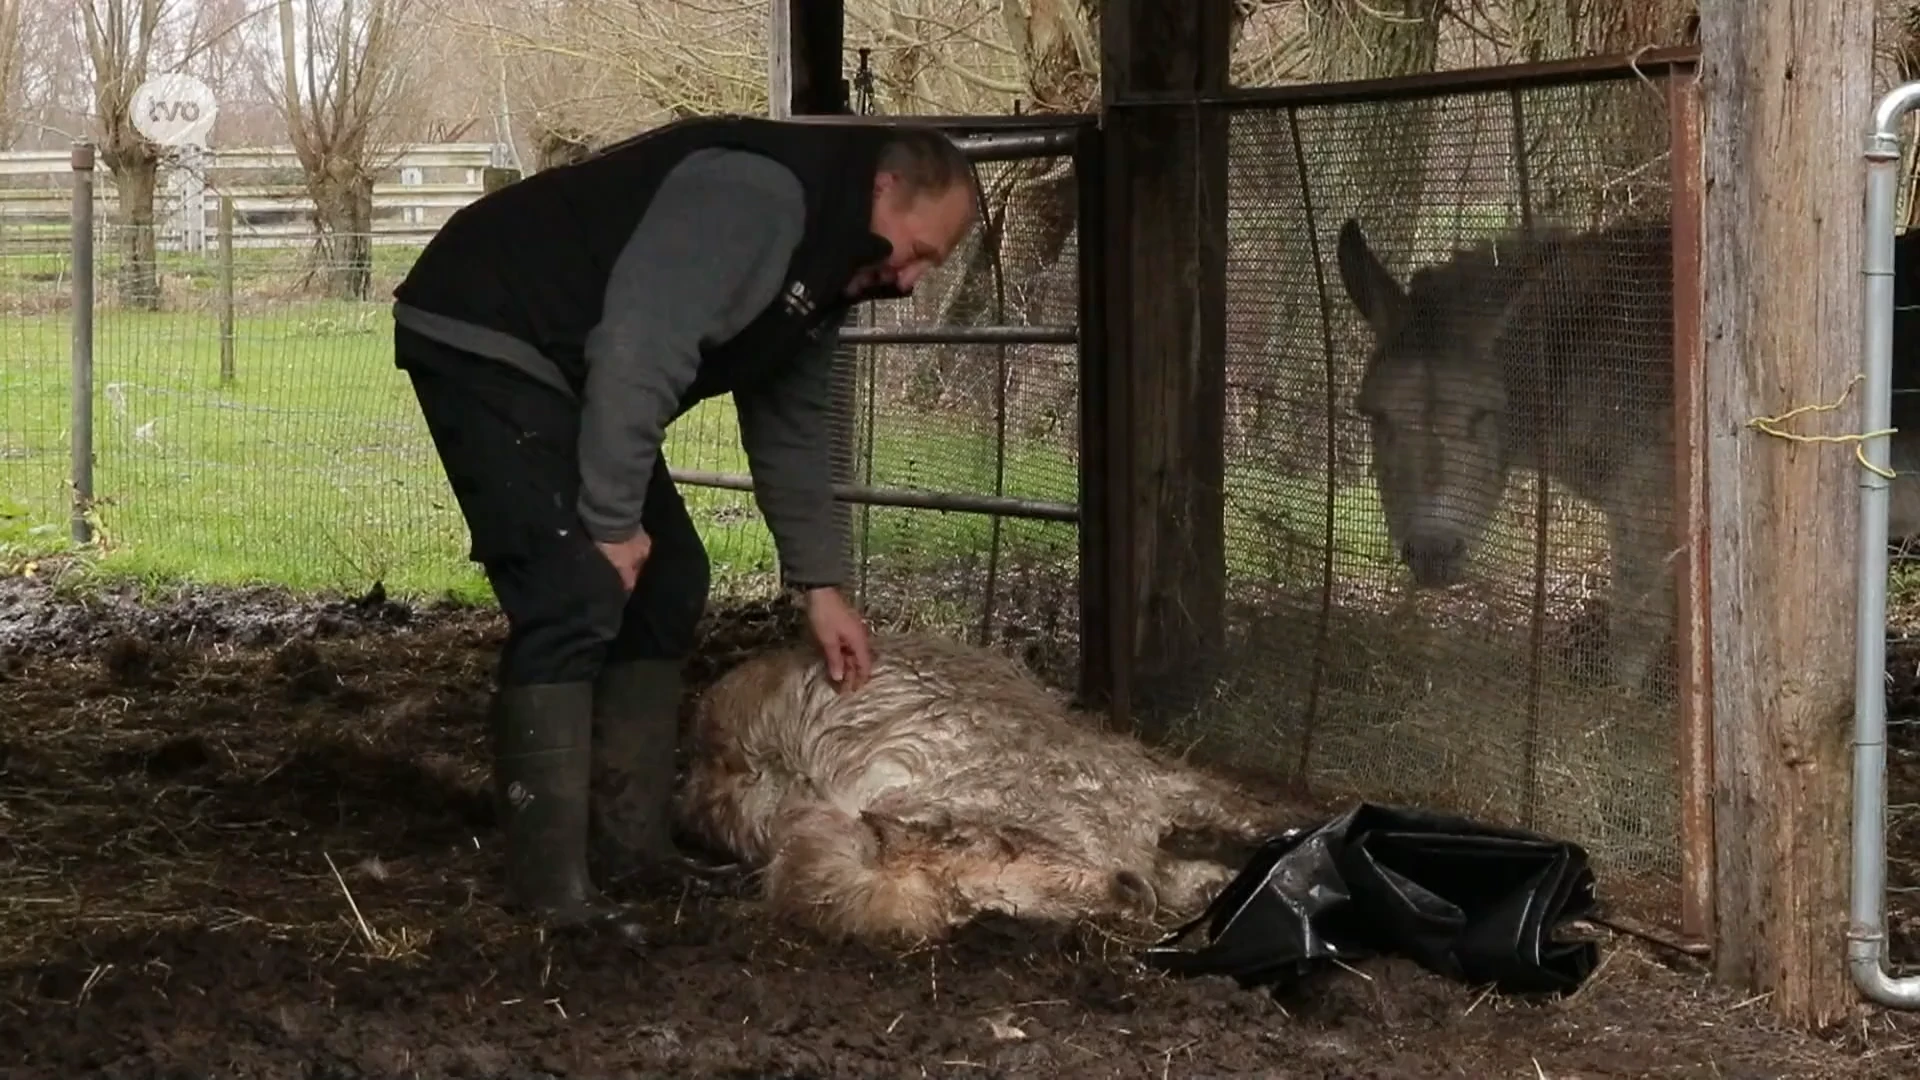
925, 160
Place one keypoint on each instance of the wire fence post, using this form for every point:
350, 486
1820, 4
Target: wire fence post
81, 393
226, 290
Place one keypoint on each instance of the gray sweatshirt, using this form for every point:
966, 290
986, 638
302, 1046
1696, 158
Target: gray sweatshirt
710, 254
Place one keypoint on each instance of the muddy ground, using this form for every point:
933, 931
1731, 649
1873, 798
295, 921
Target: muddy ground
241, 837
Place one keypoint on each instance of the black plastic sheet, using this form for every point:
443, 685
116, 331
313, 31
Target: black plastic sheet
1468, 901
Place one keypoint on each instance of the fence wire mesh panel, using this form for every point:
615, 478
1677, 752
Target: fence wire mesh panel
1450, 460
36, 273
250, 425
999, 420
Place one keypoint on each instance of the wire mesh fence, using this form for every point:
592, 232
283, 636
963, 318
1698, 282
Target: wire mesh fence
36, 270
249, 425
1451, 459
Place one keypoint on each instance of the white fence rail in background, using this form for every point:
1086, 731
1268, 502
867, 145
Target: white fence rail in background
417, 191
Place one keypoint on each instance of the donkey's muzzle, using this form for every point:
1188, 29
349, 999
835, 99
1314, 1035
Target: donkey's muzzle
1435, 561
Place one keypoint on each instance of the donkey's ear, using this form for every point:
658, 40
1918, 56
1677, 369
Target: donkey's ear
1370, 286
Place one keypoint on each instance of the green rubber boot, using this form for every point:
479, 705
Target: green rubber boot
636, 727
542, 754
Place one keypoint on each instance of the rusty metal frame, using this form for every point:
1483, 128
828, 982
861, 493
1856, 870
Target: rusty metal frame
1677, 69
959, 124
871, 495
1652, 64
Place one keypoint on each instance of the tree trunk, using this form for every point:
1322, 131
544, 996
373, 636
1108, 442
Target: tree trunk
1035, 210
343, 233
1783, 184
1604, 147
1381, 39
135, 181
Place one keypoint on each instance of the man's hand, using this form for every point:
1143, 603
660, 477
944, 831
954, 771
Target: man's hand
628, 556
842, 636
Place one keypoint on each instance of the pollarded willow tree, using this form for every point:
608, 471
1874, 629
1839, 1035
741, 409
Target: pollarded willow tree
346, 70
123, 38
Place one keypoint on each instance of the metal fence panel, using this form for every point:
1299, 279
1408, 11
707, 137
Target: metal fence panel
1413, 615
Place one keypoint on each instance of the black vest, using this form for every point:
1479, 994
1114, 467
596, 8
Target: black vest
532, 259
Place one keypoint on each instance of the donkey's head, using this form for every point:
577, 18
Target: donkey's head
1435, 400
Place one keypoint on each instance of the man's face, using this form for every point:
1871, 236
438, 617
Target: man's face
923, 229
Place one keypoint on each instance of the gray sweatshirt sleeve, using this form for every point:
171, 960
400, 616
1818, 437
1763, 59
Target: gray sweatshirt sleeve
786, 432
709, 255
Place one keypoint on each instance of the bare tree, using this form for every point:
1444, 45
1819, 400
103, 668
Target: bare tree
972, 56
229, 39
13, 50
343, 72
1383, 161
122, 37
580, 73
50, 102
1595, 159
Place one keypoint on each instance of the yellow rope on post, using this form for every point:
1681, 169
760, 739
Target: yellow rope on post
1771, 425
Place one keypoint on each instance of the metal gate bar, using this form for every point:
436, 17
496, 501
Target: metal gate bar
867, 495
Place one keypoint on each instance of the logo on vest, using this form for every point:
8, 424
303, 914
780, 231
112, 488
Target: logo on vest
797, 301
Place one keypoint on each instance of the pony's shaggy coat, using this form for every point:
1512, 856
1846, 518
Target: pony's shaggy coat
950, 785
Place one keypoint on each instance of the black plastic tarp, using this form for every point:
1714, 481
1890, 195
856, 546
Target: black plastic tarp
1468, 901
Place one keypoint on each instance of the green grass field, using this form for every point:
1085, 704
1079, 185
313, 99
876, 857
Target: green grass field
312, 470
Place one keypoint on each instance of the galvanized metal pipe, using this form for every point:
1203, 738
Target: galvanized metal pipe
960, 335
1016, 145
80, 394
1017, 138
1867, 923
1004, 506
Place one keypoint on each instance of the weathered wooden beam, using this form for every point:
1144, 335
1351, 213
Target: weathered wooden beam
1165, 247
805, 41
1787, 93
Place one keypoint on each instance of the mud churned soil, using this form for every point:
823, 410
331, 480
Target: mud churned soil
246, 837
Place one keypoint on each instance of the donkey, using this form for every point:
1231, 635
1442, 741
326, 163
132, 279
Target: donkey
1552, 353
950, 785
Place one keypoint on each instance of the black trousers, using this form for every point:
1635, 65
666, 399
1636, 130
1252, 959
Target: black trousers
509, 446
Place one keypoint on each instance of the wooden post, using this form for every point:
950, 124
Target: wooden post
1787, 99
1166, 256
226, 289
780, 50
805, 42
